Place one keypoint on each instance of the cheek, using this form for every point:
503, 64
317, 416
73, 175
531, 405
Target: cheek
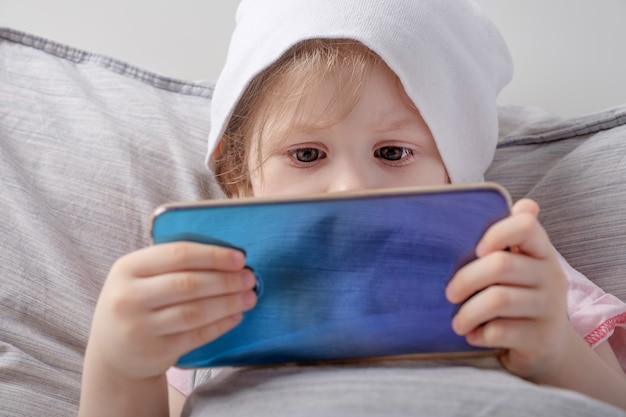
439, 174
435, 172
429, 172
270, 180
277, 180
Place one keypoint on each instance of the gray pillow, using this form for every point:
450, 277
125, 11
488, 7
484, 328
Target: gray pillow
90, 145
576, 170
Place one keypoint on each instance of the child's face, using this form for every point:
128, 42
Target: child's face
382, 143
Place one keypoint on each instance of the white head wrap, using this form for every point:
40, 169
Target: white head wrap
451, 60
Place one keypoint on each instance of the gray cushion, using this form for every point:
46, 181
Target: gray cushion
90, 145
398, 389
576, 170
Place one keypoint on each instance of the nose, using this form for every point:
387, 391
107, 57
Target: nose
348, 178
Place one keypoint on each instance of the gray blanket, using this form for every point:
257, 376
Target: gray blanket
433, 388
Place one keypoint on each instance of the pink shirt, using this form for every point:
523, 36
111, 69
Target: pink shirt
595, 315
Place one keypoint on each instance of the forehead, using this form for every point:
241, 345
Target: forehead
312, 91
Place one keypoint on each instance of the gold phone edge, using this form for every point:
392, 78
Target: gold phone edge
224, 202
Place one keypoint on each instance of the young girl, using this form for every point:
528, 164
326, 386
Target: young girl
334, 95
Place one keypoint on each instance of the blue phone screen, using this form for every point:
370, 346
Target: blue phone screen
343, 278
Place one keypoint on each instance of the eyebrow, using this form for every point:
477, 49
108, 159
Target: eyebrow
302, 129
283, 135
400, 124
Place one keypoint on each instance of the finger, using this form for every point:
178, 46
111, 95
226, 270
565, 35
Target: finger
526, 205
498, 302
519, 338
187, 341
178, 287
180, 256
496, 268
521, 231
201, 313
507, 333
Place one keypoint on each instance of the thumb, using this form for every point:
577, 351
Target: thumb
525, 205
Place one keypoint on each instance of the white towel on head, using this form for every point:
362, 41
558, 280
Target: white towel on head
450, 58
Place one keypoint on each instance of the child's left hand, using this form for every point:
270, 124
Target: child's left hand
515, 299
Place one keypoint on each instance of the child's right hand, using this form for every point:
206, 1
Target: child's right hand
165, 300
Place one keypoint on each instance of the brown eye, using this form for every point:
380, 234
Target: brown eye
308, 155
392, 153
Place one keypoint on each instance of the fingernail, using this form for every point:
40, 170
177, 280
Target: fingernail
452, 294
471, 337
479, 250
247, 277
249, 299
258, 282
238, 257
455, 324
449, 294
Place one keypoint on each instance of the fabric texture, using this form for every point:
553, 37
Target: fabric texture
450, 58
595, 315
89, 146
443, 388
575, 169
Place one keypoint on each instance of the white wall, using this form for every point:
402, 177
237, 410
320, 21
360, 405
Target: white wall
568, 53
181, 38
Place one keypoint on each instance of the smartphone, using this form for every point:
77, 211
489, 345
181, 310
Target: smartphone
342, 276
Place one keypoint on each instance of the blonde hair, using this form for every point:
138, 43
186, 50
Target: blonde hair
274, 94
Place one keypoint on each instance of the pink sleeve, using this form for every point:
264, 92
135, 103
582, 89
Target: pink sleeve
180, 379
595, 315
